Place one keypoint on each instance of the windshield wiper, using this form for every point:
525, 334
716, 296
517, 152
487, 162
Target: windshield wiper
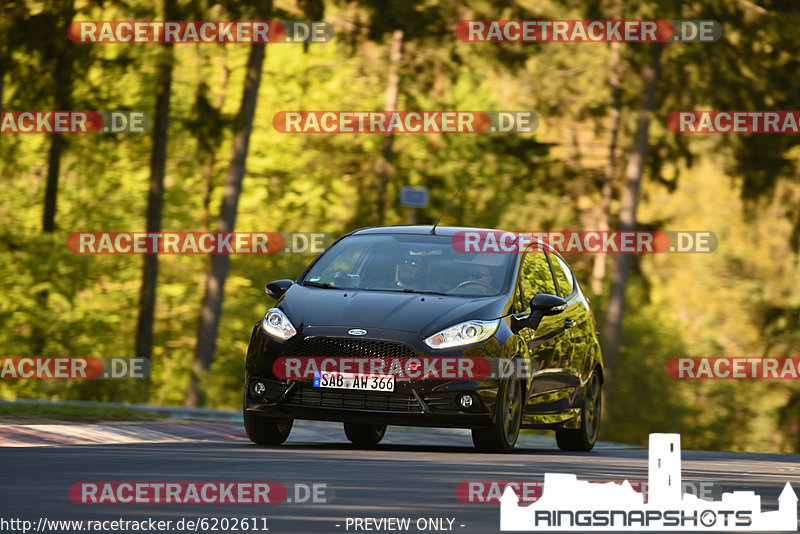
319, 284
401, 290
407, 290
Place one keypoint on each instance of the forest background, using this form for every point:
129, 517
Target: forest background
602, 157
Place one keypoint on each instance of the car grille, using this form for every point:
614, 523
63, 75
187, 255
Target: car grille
334, 347
354, 400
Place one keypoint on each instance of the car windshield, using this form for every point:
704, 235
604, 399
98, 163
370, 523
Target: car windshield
410, 263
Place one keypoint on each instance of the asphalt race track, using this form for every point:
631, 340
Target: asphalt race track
412, 474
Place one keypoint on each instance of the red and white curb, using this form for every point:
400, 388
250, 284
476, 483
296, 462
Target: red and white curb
12, 435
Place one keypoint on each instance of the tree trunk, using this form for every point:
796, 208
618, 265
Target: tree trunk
155, 195
4, 60
51, 189
627, 222
63, 100
2, 80
383, 167
215, 283
599, 267
211, 157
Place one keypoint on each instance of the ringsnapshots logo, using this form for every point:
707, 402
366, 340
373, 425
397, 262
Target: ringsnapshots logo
567, 504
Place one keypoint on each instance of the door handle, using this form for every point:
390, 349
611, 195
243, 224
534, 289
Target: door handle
569, 323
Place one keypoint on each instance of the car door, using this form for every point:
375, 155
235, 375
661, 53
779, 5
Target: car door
577, 317
572, 318
550, 343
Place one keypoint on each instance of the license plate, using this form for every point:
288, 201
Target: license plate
354, 381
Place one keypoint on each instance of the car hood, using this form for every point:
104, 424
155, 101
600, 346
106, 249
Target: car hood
410, 312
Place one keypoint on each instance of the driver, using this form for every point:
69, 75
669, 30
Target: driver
480, 278
410, 271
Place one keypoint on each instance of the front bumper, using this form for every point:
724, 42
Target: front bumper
412, 404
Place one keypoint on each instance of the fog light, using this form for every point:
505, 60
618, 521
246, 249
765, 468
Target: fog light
465, 401
259, 388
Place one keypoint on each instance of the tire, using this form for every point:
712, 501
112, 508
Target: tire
266, 430
502, 435
364, 435
584, 438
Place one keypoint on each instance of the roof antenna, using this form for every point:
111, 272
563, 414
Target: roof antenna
433, 228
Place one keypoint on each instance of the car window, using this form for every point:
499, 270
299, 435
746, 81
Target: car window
535, 277
563, 275
333, 267
411, 262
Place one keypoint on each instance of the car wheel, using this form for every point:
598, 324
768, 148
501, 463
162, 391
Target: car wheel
584, 438
364, 435
266, 430
503, 434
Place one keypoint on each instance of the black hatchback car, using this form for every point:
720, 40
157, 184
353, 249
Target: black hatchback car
406, 326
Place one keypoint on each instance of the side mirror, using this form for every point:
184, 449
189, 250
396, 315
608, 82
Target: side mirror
277, 288
548, 304
544, 304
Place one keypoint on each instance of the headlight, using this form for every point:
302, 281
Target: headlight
276, 324
463, 334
